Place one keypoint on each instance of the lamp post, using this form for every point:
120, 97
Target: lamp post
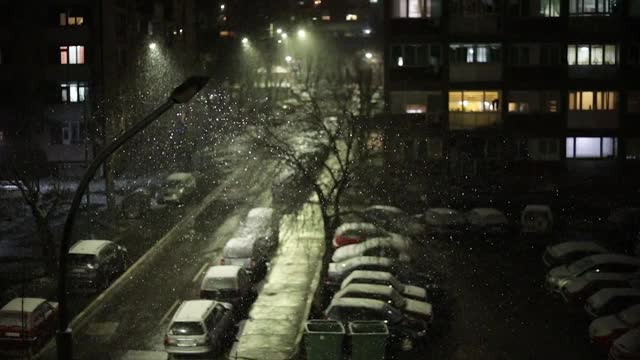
179, 95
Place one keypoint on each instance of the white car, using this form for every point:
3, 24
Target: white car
393, 247
355, 232
420, 309
611, 300
386, 279
338, 271
570, 251
444, 221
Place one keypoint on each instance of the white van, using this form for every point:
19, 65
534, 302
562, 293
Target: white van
253, 244
227, 283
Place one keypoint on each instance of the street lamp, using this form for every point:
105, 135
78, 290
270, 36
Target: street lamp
279, 31
179, 95
284, 35
368, 55
245, 41
301, 34
288, 59
153, 46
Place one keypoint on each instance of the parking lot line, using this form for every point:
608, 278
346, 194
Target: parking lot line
197, 275
164, 317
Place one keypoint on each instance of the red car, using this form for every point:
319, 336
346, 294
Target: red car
603, 331
627, 347
353, 233
26, 324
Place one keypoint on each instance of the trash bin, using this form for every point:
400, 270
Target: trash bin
323, 339
368, 340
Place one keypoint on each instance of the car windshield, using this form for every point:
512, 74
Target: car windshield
79, 260
185, 328
581, 266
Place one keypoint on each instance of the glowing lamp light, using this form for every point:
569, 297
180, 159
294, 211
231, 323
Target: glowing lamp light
366, 31
400, 61
302, 34
245, 41
368, 55
288, 58
153, 46
284, 35
279, 31
222, 7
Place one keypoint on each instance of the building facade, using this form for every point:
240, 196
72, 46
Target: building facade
521, 89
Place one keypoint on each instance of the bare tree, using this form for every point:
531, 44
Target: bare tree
26, 167
336, 99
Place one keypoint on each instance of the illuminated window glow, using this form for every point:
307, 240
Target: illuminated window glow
71, 92
67, 20
474, 101
592, 100
71, 55
591, 147
592, 54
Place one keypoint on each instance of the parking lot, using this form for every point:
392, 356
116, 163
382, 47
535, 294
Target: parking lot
497, 307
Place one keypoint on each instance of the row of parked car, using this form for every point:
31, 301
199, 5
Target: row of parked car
371, 273
209, 324
607, 285
27, 323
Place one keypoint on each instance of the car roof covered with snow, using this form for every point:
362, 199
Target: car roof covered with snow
385, 208
370, 274
367, 288
223, 272
603, 296
180, 176
193, 310
349, 251
23, 304
562, 249
443, 211
358, 303
257, 224
349, 264
88, 247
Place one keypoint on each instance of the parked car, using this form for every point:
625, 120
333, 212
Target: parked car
387, 279
487, 222
603, 331
26, 324
393, 219
444, 222
338, 271
577, 290
559, 276
137, 204
228, 283
611, 300
570, 251
200, 327
393, 247
93, 264
403, 328
627, 346
355, 232
253, 243
537, 220
419, 309
178, 188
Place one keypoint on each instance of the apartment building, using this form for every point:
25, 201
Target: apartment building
530, 89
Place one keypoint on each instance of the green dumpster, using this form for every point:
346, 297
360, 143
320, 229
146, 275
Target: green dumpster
323, 339
368, 340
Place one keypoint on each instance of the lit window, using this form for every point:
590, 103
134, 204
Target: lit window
591, 147
67, 20
71, 55
592, 100
415, 8
591, 7
72, 92
592, 54
416, 109
352, 17
474, 101
544, 8
326, 17
475, 53
423, 55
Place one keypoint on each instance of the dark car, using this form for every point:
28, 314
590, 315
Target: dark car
393, 219
137, 204
570, 251
26, 324
611, 300
577, 290
93, 264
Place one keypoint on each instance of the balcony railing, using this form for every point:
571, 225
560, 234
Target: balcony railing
474, 120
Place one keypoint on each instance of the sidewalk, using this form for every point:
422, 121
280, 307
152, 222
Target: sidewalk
276, 321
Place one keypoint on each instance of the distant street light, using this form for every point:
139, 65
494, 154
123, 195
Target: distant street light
153, 46
302, 34
245, 41
368, 55
221, 7
288, 59
279, 31
284, 35
179, 95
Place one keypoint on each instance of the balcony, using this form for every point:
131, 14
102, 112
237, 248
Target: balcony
415, 26
599, 72
592, 120
69, 34
484, 24
538, 124
519, 27
68, 72
601, 24
475, 72
474, 120
542, 73
415, 74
